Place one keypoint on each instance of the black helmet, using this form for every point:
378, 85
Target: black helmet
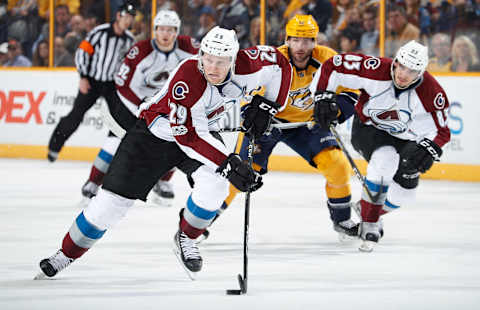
127, 8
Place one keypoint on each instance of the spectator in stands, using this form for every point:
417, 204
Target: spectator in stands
15, 55
73, 6
233, 14
166, 5
400, 31
254, 36
322, 39
339, 17
275, 22
140, 30
441, 61
445, 18
370, 35
349, 40
464, 55
59, 50
67, 57
91, 21
3, 53
62, 21
412, 8
40, 55
206, 22
77, 25
321, 10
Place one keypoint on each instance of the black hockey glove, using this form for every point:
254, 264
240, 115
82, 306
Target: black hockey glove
420, 156
257, 116
326, 108
240, 174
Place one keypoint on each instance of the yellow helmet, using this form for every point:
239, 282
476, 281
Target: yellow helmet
303, 26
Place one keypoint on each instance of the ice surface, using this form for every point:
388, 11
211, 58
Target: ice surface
428, 259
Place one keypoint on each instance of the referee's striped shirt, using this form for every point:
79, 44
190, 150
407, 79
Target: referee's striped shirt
102, 51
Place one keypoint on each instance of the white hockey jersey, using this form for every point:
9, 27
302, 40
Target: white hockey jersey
187, 107
145, 69
416, 113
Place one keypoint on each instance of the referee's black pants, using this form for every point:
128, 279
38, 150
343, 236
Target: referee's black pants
83, 102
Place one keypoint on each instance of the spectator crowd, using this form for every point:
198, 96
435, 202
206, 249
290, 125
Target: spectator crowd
451, 28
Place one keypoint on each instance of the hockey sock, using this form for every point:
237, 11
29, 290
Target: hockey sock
81, 236
194, 219
339, 209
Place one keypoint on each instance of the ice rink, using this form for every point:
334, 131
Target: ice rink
428, 259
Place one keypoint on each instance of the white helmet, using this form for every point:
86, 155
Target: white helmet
167, 18
414, 56
220, 42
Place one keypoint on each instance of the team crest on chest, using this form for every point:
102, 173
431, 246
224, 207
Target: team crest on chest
392, 121
179, 90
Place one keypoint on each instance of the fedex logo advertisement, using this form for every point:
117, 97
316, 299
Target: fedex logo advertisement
32, 104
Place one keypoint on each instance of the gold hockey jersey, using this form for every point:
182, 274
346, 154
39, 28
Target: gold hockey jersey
300, 102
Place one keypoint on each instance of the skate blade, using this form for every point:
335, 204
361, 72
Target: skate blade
40, 276
192, 275
344, 238
157, 201
367, 246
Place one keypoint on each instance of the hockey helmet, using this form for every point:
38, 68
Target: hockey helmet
167, 18
220, 42
303, 26
412, 55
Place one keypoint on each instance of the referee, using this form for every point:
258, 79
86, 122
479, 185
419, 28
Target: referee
97, 59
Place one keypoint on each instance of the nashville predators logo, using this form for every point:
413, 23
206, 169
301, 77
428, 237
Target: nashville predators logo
300, 98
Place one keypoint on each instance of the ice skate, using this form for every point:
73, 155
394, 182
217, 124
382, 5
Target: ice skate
53, 265
347, 230
187, 252
89, 190
370, 234
162, 194
357, 208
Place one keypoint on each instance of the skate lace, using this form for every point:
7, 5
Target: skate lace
189, 247
59, 261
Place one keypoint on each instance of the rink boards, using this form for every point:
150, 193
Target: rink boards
32, 102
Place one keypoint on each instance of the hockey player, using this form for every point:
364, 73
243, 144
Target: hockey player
178, 128
316, 145
144, 71
400, 126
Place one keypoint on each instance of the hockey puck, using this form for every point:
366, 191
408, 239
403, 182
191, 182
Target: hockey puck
234, 292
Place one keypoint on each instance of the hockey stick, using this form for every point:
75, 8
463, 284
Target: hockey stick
243, 281
278, 125
111, 123
359, 175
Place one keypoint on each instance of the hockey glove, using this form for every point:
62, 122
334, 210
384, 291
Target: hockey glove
420, 156
258, 115
240, 174
326, 109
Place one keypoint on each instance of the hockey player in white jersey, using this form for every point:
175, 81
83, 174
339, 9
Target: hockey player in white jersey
143, 72
178, 128
399, 128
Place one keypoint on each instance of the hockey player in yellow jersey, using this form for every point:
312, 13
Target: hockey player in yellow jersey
316, 145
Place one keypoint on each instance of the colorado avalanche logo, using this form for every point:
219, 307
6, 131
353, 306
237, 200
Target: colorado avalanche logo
392, 121
156, 79
179, 90
371, 63
252, 54
133, 53
439, 101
